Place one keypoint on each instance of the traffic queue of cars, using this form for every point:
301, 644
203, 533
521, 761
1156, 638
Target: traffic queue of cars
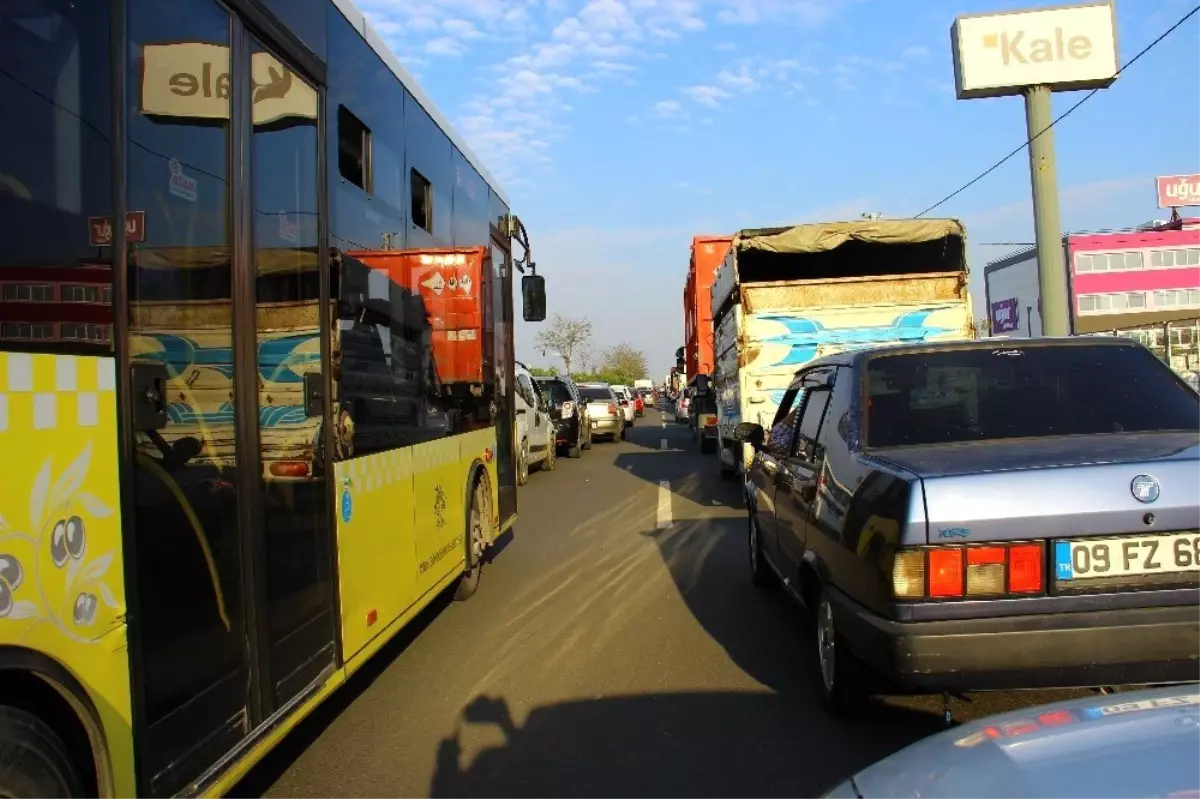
985, 514
557, 416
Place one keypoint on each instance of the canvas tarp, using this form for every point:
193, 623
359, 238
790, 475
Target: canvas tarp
825, 236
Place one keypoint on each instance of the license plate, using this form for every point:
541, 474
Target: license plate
1093, 558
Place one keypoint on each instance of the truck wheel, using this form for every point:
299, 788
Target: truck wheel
523, 464
477, 518
33, 759
844, 680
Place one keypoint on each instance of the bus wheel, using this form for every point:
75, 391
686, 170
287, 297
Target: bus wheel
468, 584
33, 759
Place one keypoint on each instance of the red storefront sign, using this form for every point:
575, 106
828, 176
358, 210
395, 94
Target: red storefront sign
100, 233
1176, 191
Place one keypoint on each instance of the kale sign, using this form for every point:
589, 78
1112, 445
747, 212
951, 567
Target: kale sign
1064, 47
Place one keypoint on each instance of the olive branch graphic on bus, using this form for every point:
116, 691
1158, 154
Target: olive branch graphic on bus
57, 537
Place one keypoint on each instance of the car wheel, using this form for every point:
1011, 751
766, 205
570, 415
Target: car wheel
576, 449
477, 518
758, 569
33, 759
844, 679
587, 442
551, 457
523, 464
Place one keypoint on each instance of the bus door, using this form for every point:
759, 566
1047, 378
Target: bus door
233, 611
499, 288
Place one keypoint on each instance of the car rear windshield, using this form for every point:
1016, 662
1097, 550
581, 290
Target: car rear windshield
979, 394
589, 393
554, 391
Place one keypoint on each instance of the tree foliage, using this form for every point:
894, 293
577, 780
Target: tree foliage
620, 365
565, 337
543, 371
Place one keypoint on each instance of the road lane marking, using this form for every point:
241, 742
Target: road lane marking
664, 504
664, 444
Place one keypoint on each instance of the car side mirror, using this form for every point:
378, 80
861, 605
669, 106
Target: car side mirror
533, 298
750, 433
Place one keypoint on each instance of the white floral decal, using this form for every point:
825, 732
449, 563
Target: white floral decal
59, 514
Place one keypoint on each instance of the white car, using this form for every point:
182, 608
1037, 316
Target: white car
535, 428
625, 394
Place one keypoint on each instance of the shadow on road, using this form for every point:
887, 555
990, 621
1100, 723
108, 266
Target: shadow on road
778, 742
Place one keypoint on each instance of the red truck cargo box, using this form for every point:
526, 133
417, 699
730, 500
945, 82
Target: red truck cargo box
707, 254
449, 281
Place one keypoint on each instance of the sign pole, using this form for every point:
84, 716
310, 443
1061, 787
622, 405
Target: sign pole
1043, 172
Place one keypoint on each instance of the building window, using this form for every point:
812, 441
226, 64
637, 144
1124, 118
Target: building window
81, 293
1181, 257
1108, 262
82, 332
422, 200
28, 292
1176, 297
26, 330
354, 149
1112, 302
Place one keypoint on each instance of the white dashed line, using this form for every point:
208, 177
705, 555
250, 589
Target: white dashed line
664, 444
664, 504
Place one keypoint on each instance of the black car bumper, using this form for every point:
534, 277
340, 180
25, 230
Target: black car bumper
1125, 646
566, 432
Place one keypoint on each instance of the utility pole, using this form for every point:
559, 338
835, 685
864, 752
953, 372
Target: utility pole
1047, 223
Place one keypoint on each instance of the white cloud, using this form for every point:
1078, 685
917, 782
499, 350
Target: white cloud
808, 13
740, 80
461, 28
710, 96
668, 109
914, 52
445, 45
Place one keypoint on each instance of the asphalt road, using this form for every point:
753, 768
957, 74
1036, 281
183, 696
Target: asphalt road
604, 655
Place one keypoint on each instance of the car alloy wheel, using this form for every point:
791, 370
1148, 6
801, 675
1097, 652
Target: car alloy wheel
826, 648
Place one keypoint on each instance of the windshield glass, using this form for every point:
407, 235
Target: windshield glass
554, 391
948, 396
595, 393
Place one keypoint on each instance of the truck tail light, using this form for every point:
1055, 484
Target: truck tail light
710, 421
971, 572
612, 409
568, 409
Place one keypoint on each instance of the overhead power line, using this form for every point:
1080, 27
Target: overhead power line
1059, 118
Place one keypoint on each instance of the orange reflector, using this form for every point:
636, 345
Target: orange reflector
945, 572
1025, 569
289, 469
372, 615
982, 555
710, 421
487, 455
1057, 718
908, 573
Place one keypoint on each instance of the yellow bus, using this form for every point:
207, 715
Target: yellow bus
232, 472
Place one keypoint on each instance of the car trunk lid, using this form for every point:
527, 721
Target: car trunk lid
1063, 487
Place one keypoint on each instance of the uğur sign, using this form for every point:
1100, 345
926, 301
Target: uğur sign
1176, 191
1063, 47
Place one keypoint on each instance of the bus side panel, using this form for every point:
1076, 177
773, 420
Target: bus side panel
62, 590
441, 521
376, 553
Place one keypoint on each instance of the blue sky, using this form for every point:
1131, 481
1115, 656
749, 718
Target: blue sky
621, 128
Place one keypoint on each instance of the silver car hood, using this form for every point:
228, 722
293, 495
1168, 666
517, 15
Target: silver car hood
1134, 744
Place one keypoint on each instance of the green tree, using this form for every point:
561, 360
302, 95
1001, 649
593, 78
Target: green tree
625, 362
565, 337
543, 371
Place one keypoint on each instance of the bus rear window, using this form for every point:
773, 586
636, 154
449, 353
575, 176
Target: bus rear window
984, 394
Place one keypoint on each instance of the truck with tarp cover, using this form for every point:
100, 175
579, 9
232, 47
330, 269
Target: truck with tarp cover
785, 296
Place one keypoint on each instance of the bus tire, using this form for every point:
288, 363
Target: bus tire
477, 517
33, 759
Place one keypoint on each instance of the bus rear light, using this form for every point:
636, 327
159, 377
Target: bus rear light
972, 571
289, 469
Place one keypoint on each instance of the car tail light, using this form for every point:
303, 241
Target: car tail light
568, 408
972, 571
612, 409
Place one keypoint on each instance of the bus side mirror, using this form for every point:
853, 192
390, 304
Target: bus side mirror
533, 298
